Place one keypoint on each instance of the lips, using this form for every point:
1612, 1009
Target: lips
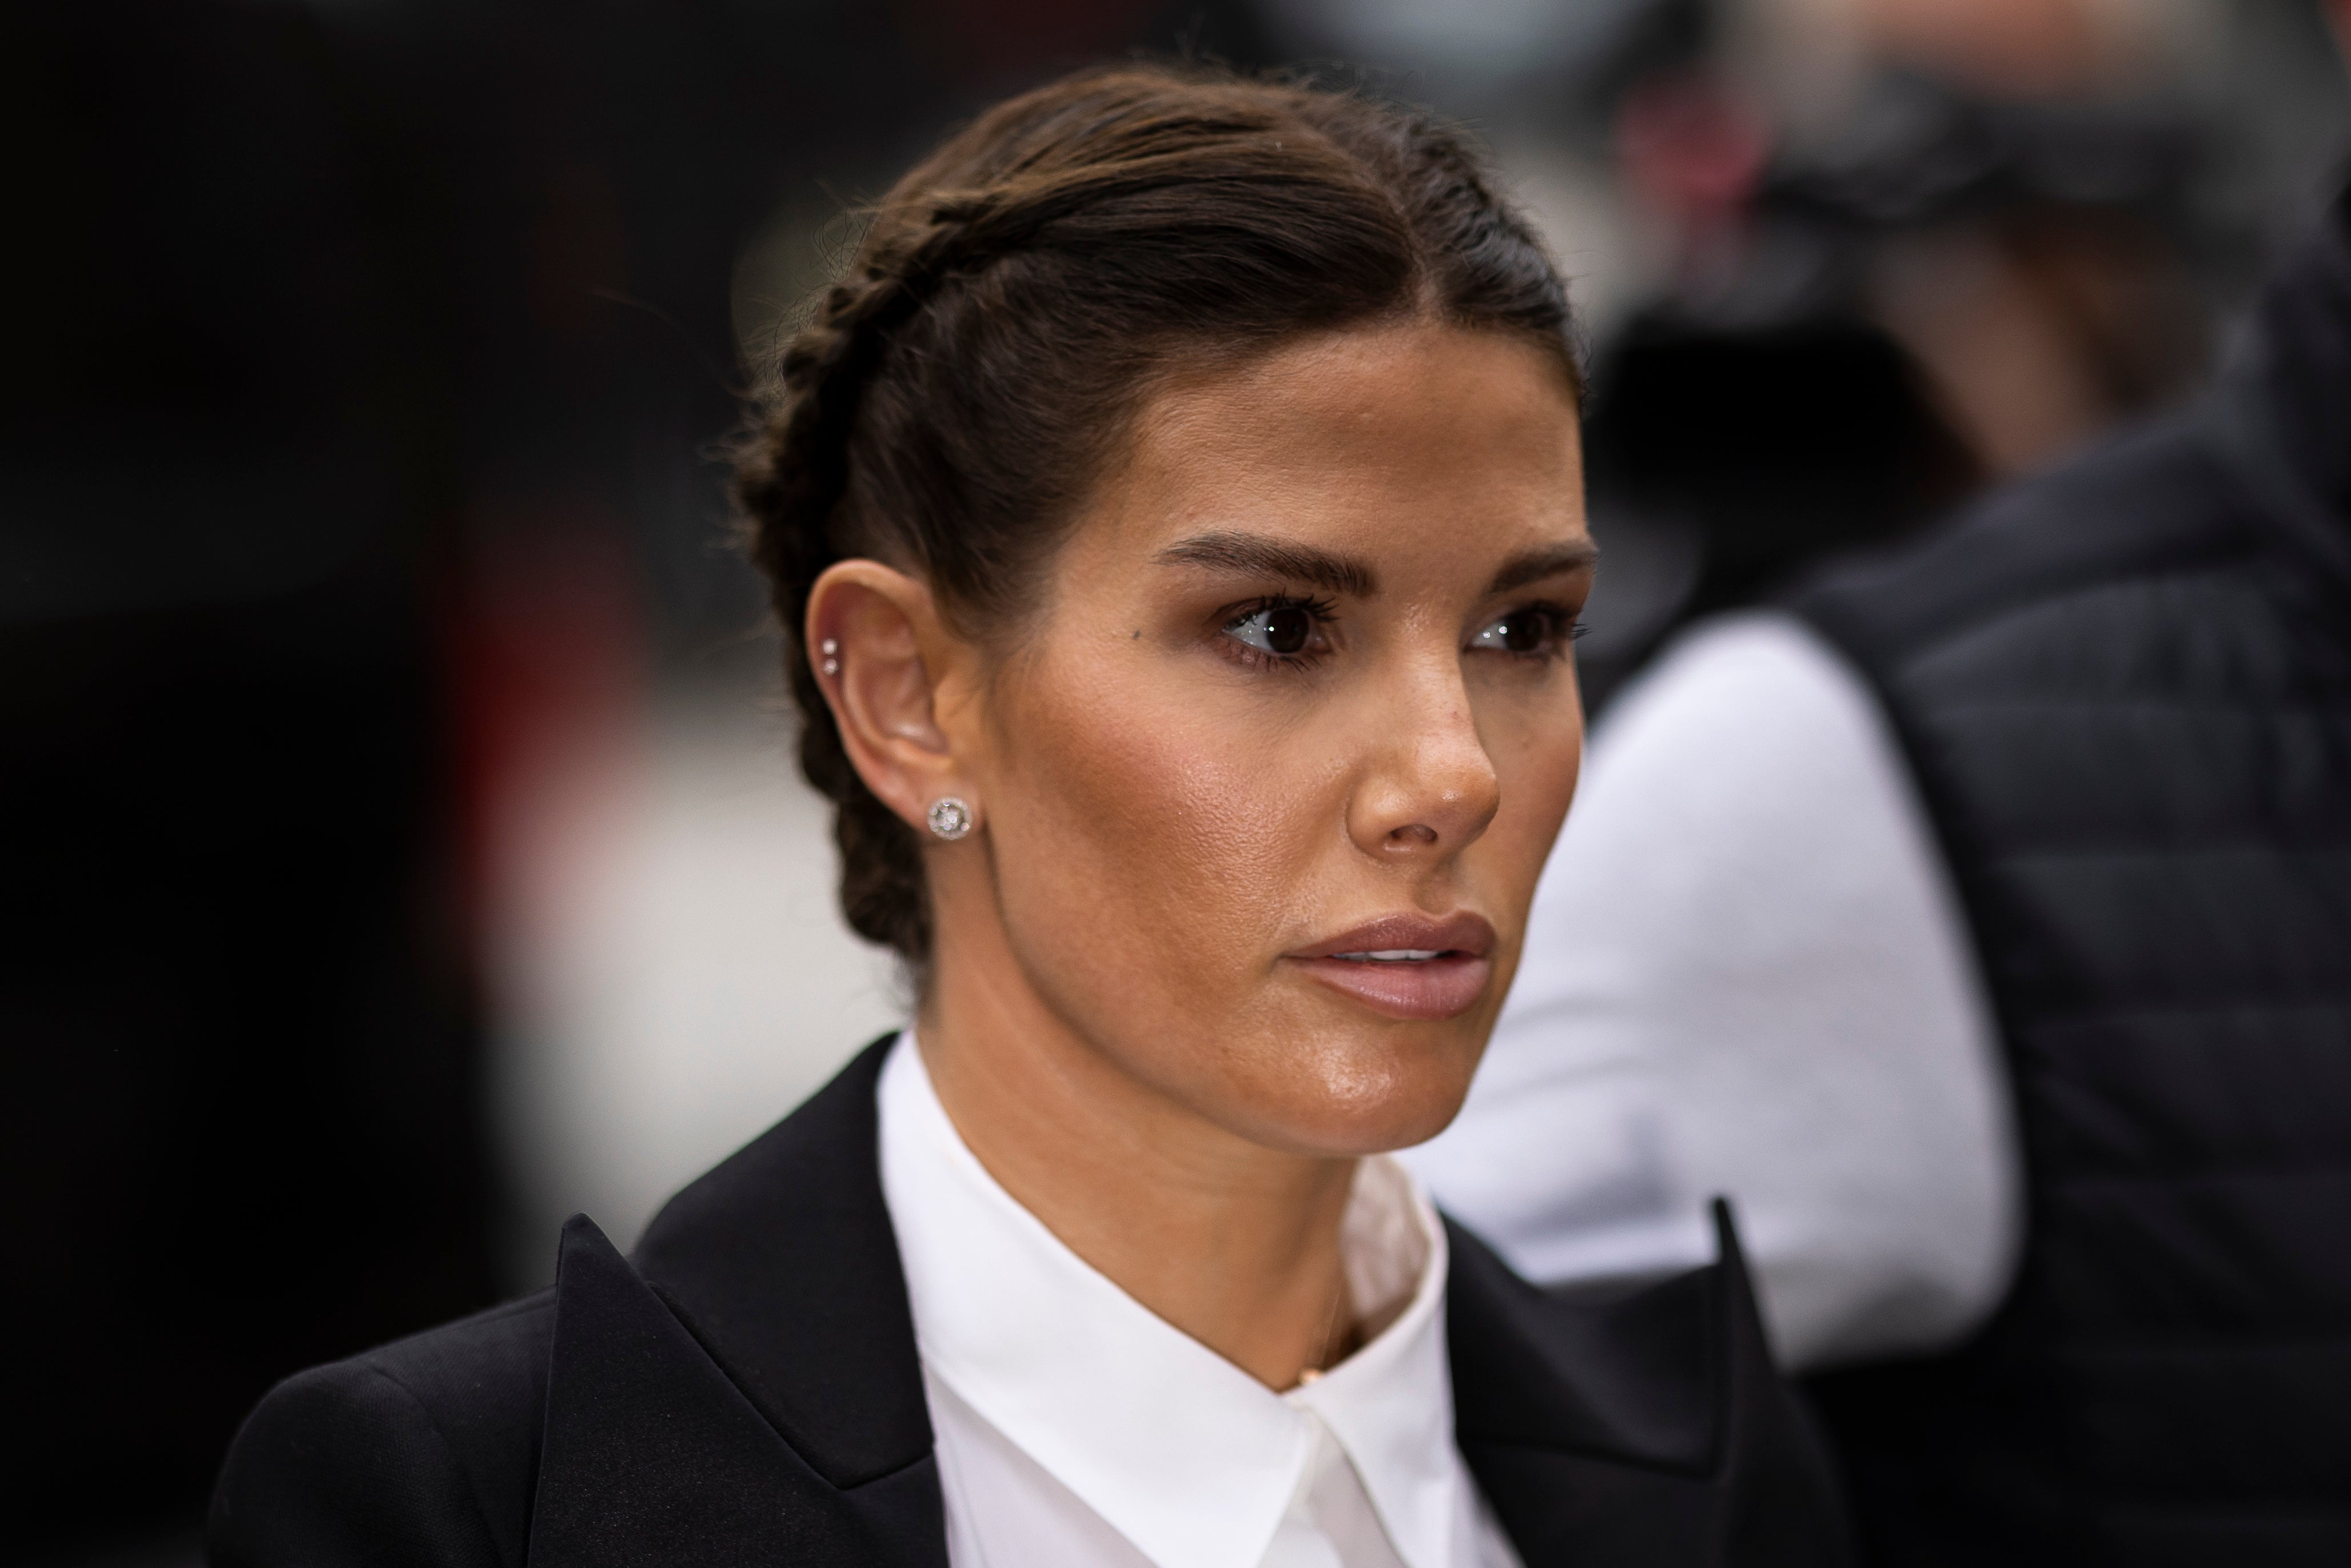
1406, 965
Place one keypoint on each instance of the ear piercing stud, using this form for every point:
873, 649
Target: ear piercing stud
832, 651
950, 818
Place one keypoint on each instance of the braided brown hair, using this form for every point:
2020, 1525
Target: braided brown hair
1022, 289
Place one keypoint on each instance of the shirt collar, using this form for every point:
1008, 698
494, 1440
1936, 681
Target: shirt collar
1132, 1415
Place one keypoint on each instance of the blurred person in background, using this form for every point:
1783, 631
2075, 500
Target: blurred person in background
1864, 320
1981, 919
1174, 517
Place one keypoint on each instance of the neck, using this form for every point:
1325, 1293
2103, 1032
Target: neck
1233, 1243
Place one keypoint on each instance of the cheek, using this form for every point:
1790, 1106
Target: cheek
1538, 773
1148, 842
1538, 760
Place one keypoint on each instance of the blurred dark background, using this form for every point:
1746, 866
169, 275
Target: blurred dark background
383, 708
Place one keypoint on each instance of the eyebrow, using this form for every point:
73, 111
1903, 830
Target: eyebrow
1257, 556
1546, 561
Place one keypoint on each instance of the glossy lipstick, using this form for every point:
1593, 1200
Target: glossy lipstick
1407, 966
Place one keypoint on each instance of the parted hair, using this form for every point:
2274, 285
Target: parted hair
1021, 292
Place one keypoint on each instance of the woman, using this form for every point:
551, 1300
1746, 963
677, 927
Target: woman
1176, 524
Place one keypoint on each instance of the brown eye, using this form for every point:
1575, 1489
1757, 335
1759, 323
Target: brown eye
1527, 631
1284, 631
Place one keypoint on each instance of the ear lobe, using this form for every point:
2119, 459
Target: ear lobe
880, 621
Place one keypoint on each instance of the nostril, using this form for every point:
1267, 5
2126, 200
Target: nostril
1413, 833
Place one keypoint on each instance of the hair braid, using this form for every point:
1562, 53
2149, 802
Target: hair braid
790, 481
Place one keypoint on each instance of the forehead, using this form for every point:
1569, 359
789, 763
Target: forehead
1415, 440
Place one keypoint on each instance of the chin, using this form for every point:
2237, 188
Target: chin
1355, 1096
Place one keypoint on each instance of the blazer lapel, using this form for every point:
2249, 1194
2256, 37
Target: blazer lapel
749, 1390
1641, 1430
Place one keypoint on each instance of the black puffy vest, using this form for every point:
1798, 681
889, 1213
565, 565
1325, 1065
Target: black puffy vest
2125, 690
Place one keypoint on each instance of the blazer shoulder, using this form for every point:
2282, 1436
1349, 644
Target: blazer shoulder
424, 1451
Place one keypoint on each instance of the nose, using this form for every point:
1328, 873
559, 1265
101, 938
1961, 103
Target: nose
1430, 789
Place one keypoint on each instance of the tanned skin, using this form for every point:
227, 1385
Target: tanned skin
1300, 665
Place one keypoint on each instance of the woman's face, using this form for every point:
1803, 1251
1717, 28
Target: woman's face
1268, 780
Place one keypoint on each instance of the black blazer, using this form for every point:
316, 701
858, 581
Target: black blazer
747, 1391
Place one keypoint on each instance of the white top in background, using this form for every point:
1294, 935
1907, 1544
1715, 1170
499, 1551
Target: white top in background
1076, 1429
1745, 974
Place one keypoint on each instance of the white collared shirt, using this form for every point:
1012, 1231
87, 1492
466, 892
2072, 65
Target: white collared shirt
1076, 1429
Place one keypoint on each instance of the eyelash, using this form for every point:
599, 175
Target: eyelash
1325, 611
1566, 629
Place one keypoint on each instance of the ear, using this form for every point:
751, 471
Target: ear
891, 657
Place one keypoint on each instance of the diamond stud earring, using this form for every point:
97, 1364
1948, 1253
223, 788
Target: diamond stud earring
832, 651
950, 818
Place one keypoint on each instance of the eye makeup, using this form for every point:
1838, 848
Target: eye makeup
1281, 630
1540, 630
